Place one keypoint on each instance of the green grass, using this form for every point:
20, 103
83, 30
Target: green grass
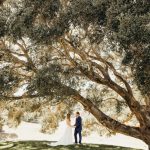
42, 145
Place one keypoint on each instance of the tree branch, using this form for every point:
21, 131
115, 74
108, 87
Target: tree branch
93, 76
128, 118
30, 62
106, 120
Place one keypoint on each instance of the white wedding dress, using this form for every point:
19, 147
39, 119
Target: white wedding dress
66, 138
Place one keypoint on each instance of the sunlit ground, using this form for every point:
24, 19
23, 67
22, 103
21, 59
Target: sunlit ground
31, 132
30, 145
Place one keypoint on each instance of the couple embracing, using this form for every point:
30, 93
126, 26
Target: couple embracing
66, 139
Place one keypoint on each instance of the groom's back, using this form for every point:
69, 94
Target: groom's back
79, 123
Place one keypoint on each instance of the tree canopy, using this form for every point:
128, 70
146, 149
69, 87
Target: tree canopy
63, 49
123, 22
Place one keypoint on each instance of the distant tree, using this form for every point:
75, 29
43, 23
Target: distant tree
60, 49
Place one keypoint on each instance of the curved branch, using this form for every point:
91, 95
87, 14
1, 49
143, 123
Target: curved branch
13, 98
126, 94
30, 62
106, 120
99, 58
128, 118
114, 99
10, 54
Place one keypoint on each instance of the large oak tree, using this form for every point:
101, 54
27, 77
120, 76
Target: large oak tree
57, 47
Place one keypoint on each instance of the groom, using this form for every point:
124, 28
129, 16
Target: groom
78, 128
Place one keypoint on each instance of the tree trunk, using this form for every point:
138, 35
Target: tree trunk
147, 100
114, 125
123, 129
146, 137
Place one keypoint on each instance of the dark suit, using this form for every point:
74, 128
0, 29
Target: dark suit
78, 129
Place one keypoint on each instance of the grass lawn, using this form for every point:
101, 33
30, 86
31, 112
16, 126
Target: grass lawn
42, 145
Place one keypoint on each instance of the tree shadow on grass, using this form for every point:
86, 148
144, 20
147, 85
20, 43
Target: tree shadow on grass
42, 145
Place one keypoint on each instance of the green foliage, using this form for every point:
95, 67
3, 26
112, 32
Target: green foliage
2, 27
47, 82
131, 30
142, 72
23, 22
4, 13
128, 58
8, 80
123, 22
87, 12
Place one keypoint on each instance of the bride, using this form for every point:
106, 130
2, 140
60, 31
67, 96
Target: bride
66, 139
